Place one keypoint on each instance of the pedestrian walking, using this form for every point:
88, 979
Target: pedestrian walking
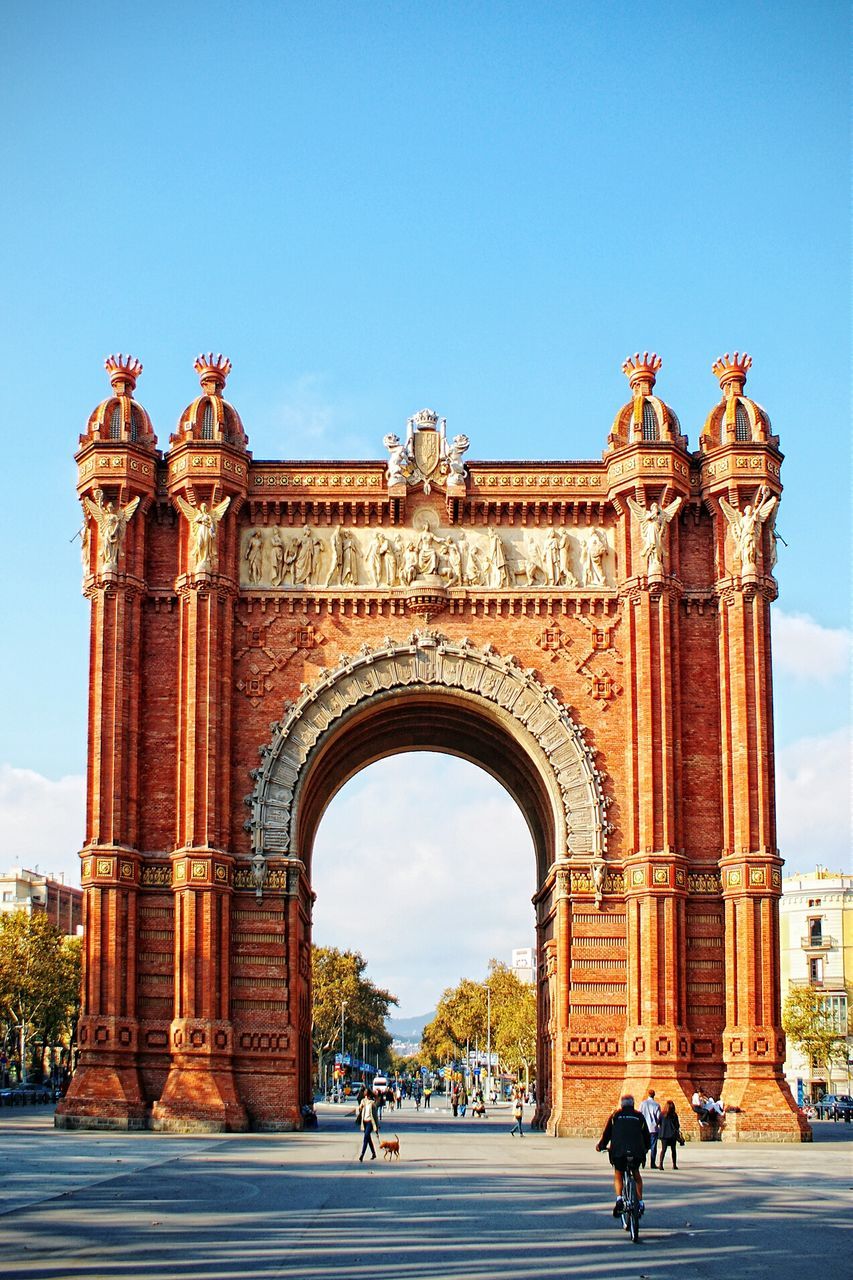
650, 1111
369, 1121
669, 1133
427, 1096
463, 1099
518, 1116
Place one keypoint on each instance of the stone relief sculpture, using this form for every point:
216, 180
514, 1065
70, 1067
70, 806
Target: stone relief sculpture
255, 556
112, 524
203, 523
652, 521
479, 557
382, 557
500, 572
277, 557
306, 559
745, 527
593, 552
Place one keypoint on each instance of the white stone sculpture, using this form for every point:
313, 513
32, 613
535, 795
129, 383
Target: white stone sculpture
773, 538
306, 561
349, 561
457, 472
532, 563
552, 558
652, 521
599, 869
498, 564
255, 556
277, 552
567, 578
746, 528
593, 552
453, 561
399, 466
336, 547
203, 523
382, 560
112, 524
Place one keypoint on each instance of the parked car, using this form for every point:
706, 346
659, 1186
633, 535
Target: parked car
21, 1095
832, 1104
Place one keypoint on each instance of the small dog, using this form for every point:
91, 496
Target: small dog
390, 1148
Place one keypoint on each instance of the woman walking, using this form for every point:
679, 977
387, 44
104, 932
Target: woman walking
369, 1123
669, 1133
517, 1115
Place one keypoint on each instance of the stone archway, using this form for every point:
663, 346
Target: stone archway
429, 692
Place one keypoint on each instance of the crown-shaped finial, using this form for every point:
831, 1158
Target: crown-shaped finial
123, 371
426, 418
731, 370
640, 370
211, 368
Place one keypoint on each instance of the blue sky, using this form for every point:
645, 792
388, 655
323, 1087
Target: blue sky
373, 207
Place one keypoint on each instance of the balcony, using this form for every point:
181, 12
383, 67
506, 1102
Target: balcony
818, 942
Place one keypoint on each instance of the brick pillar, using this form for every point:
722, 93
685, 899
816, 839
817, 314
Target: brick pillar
200, 1091
106, 1083
558, 1121
755, 1089
656, 1044
116, 483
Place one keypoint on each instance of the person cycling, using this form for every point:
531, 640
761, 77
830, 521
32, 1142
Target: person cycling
628, 1135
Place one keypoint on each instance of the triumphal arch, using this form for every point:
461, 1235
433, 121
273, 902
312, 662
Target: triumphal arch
595, 634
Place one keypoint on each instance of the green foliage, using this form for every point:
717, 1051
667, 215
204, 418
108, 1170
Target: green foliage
338, 976
39, 978
462, 1019
809, 1025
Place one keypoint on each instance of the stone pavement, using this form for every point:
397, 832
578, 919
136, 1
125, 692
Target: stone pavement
466, 1202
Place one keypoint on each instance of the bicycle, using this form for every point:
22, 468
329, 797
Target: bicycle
631, 1200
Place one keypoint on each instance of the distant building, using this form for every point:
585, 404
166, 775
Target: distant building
816, 940
524, 964
22, 890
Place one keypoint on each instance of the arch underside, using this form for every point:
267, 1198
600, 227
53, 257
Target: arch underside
430, 694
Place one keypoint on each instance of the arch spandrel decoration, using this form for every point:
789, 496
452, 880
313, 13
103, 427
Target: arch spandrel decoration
430, 661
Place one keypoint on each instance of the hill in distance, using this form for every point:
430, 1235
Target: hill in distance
408, 1028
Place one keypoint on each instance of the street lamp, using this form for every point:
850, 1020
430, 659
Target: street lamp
343, 1016
488, 1041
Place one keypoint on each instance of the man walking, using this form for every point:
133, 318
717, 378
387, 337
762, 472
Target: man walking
650, 1111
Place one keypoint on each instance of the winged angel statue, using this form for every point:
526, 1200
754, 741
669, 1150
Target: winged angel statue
746, 527
203, 523
652, 521
112, 521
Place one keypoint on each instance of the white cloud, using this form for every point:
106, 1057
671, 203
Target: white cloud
41, 821
807, 650
425, 865
317, 423
813, 801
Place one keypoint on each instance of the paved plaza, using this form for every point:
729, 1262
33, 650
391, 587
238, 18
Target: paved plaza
466, 1202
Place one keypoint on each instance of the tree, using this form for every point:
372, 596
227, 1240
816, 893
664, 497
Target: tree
810, 1026
39, 980
462, 1019
338, 977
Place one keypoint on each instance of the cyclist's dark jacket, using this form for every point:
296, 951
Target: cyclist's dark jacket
628, 1135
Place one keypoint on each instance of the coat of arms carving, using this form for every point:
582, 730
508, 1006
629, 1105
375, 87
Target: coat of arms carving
426, 458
